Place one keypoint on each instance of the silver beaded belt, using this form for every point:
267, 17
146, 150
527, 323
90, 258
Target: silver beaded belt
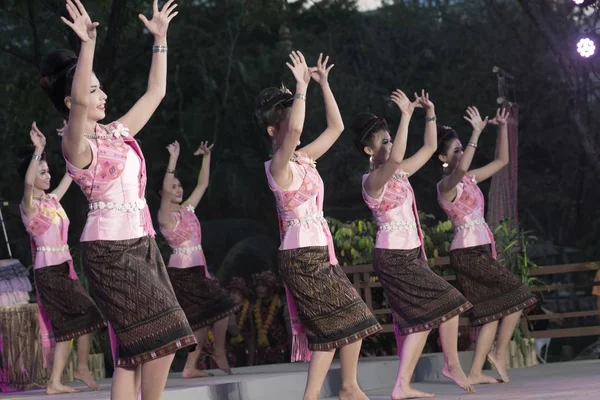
480, 221
306, 218
187, 250
397, 225
52, 249
132, 206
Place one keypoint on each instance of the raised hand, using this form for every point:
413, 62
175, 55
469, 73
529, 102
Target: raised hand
475, 120
204, 149
321, 71
501, 118
82, 25
159, 24
423, 100
299, 67
37, 137
173, 149
60, 131
402, 101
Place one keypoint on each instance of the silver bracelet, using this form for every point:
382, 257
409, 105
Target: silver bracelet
300, 96
171, 171
35, 157
159, 49
474, 145
431, 119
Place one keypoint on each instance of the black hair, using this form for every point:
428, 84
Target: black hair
270, 107
57, 70
446, 136
365, 126
24, 154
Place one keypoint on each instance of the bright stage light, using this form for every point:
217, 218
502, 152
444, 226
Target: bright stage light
583, 3
586, 47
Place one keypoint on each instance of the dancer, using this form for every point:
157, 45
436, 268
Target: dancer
120, 257
419, 299
202, 299
272, 321
498, 297
66, 310
326, 311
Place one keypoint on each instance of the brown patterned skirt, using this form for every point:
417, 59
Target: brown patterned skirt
494, 291
329, 307
129, 282
203, 300
72, 311
419, 299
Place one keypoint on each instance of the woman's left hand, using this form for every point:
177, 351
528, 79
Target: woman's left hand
204, 149
501, 118
159, 24
320, 73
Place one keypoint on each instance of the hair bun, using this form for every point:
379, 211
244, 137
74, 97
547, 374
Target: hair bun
57, 61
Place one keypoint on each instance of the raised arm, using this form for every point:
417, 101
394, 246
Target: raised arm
63, 186
279, 168
378, 178
39, 142
75, 146
204, 175
415, 162
335, 124
448, 184
502, 157
142, 110
165, 219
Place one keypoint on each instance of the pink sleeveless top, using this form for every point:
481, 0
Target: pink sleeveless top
300, 207
49, 229
466, 213
114, 184
185, 240
396, 214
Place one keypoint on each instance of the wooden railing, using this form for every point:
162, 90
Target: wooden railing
361, 276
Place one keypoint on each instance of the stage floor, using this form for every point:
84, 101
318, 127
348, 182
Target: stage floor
558, 381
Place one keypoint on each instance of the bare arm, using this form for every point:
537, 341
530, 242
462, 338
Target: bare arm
142, 110
203, 176
63, 186
279, 167
448, 184
75, 146
502, 156
335, 124
165, 218
39, 142
378, 178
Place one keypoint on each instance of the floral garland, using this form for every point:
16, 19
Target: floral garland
243, 314
263, 340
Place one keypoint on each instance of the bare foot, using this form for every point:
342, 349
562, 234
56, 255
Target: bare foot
458, 376
221, 361
499, 364
352, 393
57, 388
409, 393
481, 379
86, 377
194, 373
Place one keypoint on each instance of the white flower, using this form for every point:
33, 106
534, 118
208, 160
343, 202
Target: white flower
120, 130
190, 208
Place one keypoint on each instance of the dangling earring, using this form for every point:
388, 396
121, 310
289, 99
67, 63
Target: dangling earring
445, 165
371, 164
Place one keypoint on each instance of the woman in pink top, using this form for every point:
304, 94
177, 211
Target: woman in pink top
420, 300
498, 297
66, 310
325, 310
202, 299
125, 269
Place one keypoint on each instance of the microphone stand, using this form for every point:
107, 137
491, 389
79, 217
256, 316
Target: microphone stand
5, 203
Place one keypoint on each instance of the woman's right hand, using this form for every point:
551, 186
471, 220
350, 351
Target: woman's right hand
299, 68
475, 119
82, 24
37, 137
173, 149
402, 101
